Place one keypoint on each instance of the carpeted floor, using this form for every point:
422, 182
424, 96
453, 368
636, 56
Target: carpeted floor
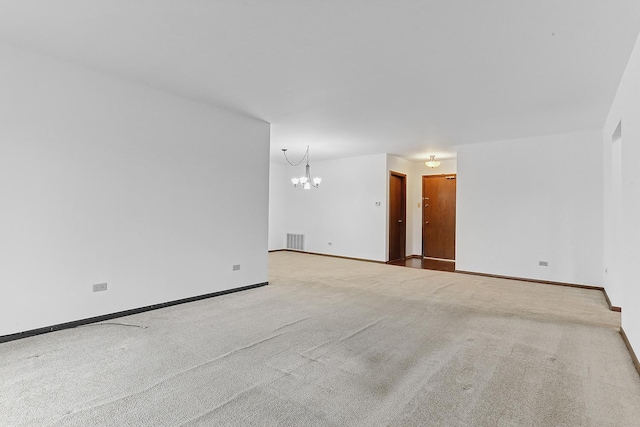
333, 342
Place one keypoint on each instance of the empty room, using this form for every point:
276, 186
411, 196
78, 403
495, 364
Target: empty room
318, 213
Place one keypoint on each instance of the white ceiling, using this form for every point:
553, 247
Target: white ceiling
356, 77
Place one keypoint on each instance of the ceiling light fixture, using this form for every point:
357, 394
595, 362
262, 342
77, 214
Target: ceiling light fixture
432, 162
304, 181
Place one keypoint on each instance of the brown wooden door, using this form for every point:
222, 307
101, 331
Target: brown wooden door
439, 216
397, 216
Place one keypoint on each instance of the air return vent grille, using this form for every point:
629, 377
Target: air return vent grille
295, 241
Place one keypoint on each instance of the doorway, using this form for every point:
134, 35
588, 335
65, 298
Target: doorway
397, 216
439, 217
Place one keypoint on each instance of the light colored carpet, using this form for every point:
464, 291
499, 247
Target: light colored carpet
342, 343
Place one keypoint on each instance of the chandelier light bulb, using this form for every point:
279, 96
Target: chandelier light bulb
432, 162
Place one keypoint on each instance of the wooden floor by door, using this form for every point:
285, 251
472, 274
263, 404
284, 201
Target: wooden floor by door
397, 216
439, 216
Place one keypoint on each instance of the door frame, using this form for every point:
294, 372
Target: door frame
404, 216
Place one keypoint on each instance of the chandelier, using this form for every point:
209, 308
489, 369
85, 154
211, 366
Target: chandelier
304, 181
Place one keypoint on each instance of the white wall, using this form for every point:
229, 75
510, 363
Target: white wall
286, 205
342, 211
528, 200
623, 251
447, 166
279, 183
106, 181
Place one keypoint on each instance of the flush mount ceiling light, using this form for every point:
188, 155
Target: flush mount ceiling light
304, 181
432, 162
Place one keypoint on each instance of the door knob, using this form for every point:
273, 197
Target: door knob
426, 222
399, 220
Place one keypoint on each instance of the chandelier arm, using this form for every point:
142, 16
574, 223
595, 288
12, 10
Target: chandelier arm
306, 155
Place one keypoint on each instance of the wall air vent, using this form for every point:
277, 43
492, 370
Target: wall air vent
295, 241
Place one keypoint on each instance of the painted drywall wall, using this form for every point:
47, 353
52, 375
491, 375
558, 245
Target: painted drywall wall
106, 181
529, 200
285, 203
418, 170
279, 183
342, 211
622, 217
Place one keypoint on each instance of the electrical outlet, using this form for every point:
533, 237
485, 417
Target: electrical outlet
98, 287
543, 263
330, 243
236, 267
